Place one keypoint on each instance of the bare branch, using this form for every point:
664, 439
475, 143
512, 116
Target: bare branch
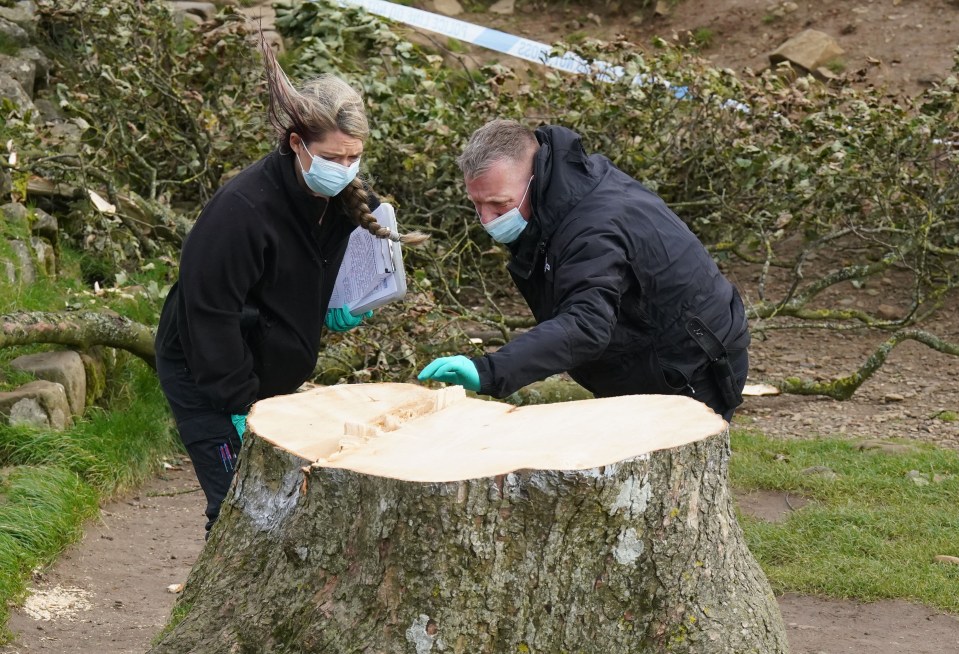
844, 387
83, 329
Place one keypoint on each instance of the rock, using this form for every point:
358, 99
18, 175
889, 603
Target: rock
887, 447
809, 49
505, 7
821, 471
64, 367
205, 10
41, 63
917, 478
67, 136
663, 8
448, 7
45, 256
13, 33
824, 73
13, 91
888, 312
20, 69
945, 558
188, 19
39, 404
22, 13
25, 269
45, 225
48, 110
893, 397
931, 79
16, 215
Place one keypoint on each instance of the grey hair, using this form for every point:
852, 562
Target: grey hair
497, 140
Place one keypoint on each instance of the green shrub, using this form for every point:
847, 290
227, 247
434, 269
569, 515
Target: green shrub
767, 170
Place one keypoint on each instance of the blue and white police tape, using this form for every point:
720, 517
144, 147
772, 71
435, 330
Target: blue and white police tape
515, 46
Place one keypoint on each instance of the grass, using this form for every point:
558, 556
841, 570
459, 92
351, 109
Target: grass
870, 533
56, 479
52, 481
836, 66
41, 513
113, 448
180, 610
703, 37
8, 45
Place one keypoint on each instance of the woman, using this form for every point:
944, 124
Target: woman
243, 322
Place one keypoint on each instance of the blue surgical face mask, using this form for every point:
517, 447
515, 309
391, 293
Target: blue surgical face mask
328, 177
507, 227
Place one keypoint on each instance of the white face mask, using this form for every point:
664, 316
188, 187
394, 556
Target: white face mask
507, 227
328, 177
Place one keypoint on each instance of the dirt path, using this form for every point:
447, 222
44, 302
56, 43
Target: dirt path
108, 594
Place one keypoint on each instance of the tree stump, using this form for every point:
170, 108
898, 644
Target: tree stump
390, 518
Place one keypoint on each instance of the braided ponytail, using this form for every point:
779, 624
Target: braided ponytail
356, 199
321, 106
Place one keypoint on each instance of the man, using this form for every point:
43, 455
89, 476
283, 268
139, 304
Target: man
627, 300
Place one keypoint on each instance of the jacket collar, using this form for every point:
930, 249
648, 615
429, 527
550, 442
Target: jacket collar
563, 175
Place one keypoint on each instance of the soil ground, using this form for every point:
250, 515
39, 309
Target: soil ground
109, 593
901, 45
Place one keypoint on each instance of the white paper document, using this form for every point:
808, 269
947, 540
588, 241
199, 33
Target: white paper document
371, 274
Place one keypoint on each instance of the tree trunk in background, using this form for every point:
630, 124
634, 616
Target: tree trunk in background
644, 555
82, 329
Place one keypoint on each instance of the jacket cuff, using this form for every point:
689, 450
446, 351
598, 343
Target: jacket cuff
485, 375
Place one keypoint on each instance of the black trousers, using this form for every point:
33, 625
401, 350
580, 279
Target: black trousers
208, 435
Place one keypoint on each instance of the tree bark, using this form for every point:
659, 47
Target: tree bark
83, 329
638, 555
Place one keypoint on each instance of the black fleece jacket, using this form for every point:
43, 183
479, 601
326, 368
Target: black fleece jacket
258, 248
612, 276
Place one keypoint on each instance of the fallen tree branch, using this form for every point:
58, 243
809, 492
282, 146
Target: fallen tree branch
844, 387
83, 329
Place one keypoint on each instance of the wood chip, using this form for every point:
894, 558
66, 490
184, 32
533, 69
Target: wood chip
757, 390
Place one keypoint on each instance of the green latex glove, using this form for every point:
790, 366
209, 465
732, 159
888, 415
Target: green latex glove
239, 423
452, 370
341, 320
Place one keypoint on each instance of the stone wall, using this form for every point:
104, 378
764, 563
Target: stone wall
65, 382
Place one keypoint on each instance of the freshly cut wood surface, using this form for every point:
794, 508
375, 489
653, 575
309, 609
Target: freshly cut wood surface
410, 432
759, 390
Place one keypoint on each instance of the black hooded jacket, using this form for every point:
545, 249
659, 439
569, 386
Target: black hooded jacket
256, 274
611, 276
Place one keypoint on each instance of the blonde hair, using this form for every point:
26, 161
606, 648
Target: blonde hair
323, 105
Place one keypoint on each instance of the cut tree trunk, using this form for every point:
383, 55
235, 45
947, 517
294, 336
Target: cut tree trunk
389, 518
